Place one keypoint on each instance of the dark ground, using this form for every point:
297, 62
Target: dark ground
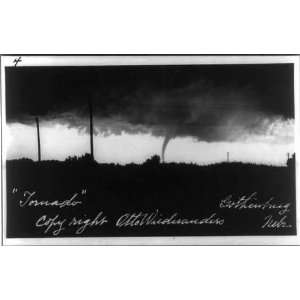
190, 190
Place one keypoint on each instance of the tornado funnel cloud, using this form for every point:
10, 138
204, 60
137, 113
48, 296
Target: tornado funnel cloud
167, 139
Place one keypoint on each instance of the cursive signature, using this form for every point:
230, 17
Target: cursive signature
156, 218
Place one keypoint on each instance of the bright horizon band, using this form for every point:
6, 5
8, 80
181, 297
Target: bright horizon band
58, 142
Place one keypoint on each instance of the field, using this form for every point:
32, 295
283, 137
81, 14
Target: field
187, 190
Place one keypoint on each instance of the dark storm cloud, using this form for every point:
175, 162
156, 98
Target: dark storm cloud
207, 102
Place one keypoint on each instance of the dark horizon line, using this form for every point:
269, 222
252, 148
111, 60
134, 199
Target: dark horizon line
85, 159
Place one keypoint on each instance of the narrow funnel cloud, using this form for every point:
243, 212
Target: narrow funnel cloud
167, 139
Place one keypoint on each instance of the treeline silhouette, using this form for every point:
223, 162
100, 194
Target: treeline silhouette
188, 189
155, 160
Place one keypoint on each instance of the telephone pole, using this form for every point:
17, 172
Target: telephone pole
91, 129
38, 137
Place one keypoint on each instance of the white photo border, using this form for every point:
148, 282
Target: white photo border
100, 60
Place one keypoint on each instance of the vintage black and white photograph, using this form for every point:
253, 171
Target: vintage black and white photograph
149, 146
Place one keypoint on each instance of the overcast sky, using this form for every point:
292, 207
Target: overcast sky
198, 112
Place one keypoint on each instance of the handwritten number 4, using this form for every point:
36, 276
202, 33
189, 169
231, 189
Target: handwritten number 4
17, 60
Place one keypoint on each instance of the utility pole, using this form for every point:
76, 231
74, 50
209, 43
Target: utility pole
228, 157
38, 137
91, 129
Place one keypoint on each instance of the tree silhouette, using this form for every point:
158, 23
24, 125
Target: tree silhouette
152, 161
